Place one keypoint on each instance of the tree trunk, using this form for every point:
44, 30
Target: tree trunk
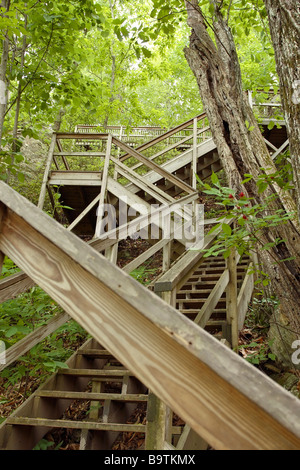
3, 68
18, 102
284, 21
217, 71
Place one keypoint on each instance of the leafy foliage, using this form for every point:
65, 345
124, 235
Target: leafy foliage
250, 218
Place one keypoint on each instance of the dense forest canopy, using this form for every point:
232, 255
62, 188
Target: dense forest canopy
114, 62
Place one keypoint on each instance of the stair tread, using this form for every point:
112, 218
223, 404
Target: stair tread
95, 352
95, 372
91, 425
92, 396
65, 423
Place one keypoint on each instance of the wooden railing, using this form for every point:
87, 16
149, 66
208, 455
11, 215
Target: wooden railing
179, 137
227, 401
266, 104
169, 284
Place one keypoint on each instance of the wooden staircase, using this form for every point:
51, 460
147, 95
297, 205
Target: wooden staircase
95, 382
139, 339
150, 357
109, 391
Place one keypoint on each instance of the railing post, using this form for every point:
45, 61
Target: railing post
2, 213
46, 173
118, 154
103, 184
159, 415
231, 300
167, 256
250, 98
194, 165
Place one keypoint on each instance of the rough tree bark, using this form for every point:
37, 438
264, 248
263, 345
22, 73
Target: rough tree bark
284, 21
217, 71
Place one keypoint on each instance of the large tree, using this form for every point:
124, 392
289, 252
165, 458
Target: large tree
213, 58
284, 21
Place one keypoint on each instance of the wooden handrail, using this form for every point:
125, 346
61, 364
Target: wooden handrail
185, 264
230, 403
165, 136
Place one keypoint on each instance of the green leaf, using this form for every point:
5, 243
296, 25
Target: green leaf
214, 179
146, 52
11, 332
226, 229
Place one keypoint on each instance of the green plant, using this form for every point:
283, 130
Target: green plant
143, 274
250, 219
8, 268
43, 444
20, 316
257, 353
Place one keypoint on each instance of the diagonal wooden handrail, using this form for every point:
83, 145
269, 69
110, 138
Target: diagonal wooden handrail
165, 136
230, 403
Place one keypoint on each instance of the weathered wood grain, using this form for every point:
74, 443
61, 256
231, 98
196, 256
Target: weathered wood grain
222, 397
12, 286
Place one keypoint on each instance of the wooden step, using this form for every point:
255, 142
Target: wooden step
95, 353
130, 398
69, 424
104, 375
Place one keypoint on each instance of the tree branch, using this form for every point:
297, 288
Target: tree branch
35, 71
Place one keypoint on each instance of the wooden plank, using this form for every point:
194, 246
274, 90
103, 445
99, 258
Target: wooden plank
223, 398
80, 136
182, 268
182, 160
214, 297
270, 145
170, 147
46, 173
75, 178
142, 183
150, 164
120, 233
231, 299
144, 256
189, 440
107, 373
281, 149
134, 398
12, 286
126, 196
195, 155
165, 136
167, 256
68, 424
84, 212
78, 154
29, 341
65, 162
156, 423
103, 191
244, 297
